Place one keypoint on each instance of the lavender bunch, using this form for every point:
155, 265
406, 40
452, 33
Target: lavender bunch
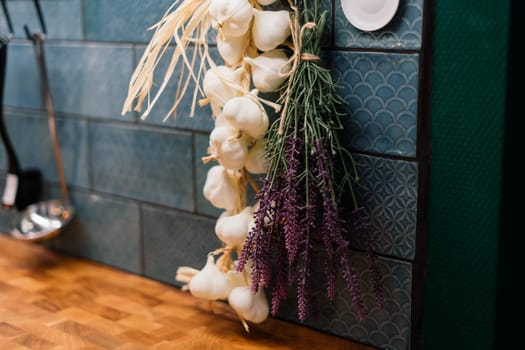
299, 220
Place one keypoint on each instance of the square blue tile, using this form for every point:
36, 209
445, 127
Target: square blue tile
22, 85
381, 94
403, 32
122, 20
386, 329
63, 18
201, 170
104, 229
147, 165
389, 194
90, 79
29, 134
173, 239
202, 120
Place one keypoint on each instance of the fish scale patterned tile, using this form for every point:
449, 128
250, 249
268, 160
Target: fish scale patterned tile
381, 91
29, 134
104, 229
173, 239
149, 165
90, 79
403, 32
63, 18
386, 329
389, 193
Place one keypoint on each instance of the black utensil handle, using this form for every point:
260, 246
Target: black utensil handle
13, 166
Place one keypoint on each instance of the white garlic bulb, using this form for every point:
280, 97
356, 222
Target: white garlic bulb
247, 114
267, 69
230, 149
231, 18
256, 163
210, 283
253, 308
231, 49
217, 86
270, 28
221, 189
233, 229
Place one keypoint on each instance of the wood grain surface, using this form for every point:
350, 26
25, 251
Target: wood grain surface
52, 301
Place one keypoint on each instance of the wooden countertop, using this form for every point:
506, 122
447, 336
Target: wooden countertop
53, 301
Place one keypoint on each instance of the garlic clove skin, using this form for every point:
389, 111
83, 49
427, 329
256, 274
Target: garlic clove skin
266, 70
253, 308
210, 283
220, 188
216, 86
237, 279
266, 2
233, 154
247, 114
231, 49
232, 18
233, 229
256, 162
230, 149
270, 28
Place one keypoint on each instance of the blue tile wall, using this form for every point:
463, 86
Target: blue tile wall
402, 33
29, 135
202, 120
104, 229
381, 91
90, 79
152, 166
173, 239
63, 18
137, 184
122, 20
22, 85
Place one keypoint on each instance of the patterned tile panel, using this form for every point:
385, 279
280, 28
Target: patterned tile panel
202, 120
387, 329
63, 18
90, 80
122, 20
152, 166
201, 170
389, 193
29, 135
173, 239
104, 229
22, 85
403, 32
381, 93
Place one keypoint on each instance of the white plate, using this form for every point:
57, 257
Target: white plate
369, 15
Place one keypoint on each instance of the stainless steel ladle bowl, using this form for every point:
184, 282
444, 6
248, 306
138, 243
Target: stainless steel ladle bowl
42, 220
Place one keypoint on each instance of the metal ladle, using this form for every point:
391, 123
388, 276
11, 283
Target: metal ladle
45, 219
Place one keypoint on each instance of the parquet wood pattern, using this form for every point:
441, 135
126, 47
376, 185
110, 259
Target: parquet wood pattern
51, 301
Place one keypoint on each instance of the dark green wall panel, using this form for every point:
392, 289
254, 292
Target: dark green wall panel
468, 109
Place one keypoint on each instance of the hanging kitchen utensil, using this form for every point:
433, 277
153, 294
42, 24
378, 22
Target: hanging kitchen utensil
22, 187
44, 220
